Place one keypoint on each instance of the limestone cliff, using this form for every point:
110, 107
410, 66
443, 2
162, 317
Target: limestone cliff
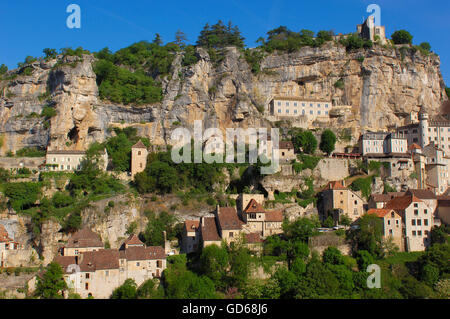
378, 87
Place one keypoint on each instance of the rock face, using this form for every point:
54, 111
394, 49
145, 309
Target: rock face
378, 88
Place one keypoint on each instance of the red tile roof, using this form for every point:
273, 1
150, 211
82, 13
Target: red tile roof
383, 198
139, 144
84, 238
4, 236
228, 218
401, 203
335, 185
209, 229
381, 212
133, 240
414, 146
253, 238
274, 216
285, 145
99, 260
254, 207
191, 225
421, 193
144, 253
66, 261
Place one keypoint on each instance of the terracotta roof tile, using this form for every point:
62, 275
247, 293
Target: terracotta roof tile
285, 145
144, 253
65, 262
99, 260
253, 238
133, 240
228, 218
381, 212
84, 238
274, 216
335, 185
139, 144
401, 203
254, 207
421, 193
383, 198
191, 225
209, 229
4, 236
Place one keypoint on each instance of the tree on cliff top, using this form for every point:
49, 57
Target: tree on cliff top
402, 37
220, 36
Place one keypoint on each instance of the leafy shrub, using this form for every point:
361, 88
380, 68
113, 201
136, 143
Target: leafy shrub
402, 37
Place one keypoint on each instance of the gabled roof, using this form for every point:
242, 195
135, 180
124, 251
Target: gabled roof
143, 253
421, 193
133, 240
401, 203
209, 229
254, 207
253, 238
274, 216
99, 260
380, 212
384, 198
139, 144
4, 236
414, 146
84, 238
191, 225
285, 145
65, 262
228, 218
335, 185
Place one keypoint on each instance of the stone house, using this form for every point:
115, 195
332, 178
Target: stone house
190, 236
418, 219
380, 200
436, 169
84, 240
62, 160
286, 151
7, 244
139, 154
338, 200
392, 225
297, 107
369, 31
98, 272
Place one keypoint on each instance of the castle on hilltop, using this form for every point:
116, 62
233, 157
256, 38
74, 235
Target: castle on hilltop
369, 31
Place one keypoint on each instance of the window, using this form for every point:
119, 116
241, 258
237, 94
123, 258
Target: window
326, 112
318, 105
139, 152
87, 275
326, 105
86, 286
279, 103
295, 111
68, 159
416, 205
389, 222
295, 103
159, 264
279, 111
287, 103
311, 105
416, 212
287, 111
311, 112
425, 222
425, 211
318, 112
419, 222
76, 251
68, 166
106, 273
419, 233
390, 232
413, 222
138, 264
231, 234
414, 233
303, 112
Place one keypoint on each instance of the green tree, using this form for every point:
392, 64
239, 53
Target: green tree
327, 141
157, 224
220, 35
304, 141
49, 53
426, 46
158, 39
402, 37
128, 290
51, 284
369, 235
3, 69
240, 261
439, 234
364, 259
300, 229
214, 262
447, 91
332, 256
180, 38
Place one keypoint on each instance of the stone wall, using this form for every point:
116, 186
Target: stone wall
28, 162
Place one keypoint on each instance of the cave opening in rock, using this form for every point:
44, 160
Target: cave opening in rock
73, 134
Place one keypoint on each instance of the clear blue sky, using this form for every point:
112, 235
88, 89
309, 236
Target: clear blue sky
26, 27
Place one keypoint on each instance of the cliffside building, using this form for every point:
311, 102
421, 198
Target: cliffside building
297, 107
369, 31
392, 225
61, 160
98, 272
139, 154
6, 244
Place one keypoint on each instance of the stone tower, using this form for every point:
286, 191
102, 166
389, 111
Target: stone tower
423, 127
139, 154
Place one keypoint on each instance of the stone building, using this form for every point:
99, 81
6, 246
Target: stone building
380, 200
190, 236
252, 223
98, 272
376, 143
392, 225
369, 31
139, 154
84, 240
61, 160
338, 200
7, 244
286, 151
296, 107
418, 219
436, 169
